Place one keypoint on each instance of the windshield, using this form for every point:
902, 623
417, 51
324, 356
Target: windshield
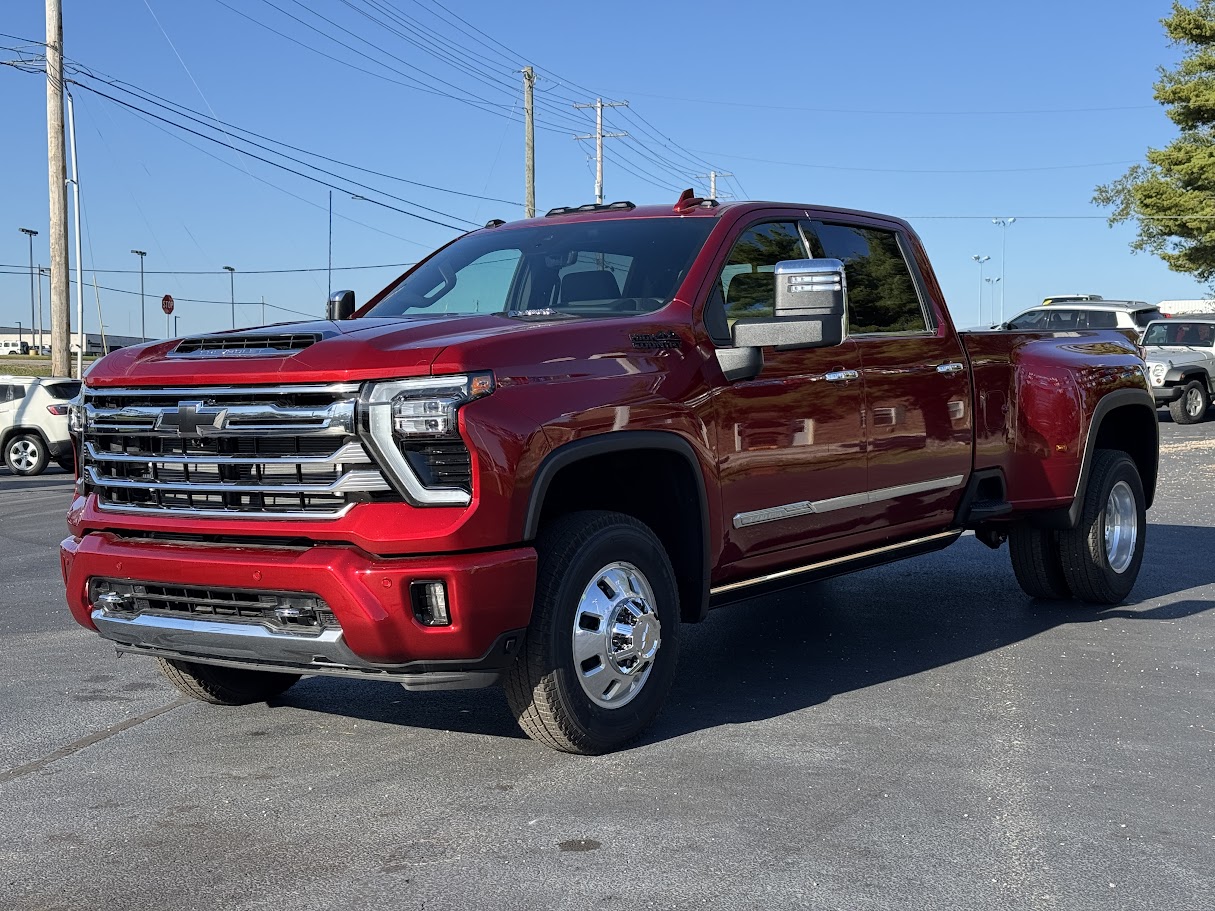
592, 268
1195, 335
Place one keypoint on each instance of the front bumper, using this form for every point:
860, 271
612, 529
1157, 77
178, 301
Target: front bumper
1166, 394
489, 598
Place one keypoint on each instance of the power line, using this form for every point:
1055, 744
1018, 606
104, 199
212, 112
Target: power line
19, 267
828, 167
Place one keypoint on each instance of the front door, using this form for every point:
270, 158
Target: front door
790, 442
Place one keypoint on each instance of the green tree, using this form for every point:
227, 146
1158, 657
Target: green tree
1172, 197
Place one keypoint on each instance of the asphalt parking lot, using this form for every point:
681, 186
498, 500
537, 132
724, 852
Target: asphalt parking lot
916, 736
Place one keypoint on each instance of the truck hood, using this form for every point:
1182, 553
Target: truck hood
304, 352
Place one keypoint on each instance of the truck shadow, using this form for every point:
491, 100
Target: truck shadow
785, 653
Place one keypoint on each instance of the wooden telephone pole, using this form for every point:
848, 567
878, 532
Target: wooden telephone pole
57, 184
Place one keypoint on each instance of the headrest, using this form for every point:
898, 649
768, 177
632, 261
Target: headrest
589, 286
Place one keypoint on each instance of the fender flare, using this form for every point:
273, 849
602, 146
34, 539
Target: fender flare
1118, 398
624, 441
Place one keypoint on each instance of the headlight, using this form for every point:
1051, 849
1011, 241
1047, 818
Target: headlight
75, 416
412, 426
1157, 373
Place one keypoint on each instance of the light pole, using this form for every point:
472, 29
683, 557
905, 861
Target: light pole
1003, 223
980, 260
232, 291
993, 282
143, 331
33, 322
20, 337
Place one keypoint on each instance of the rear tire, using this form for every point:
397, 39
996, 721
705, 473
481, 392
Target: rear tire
1101, 556
1192, 407
26, 455
225, 685
602, 646
1036, 562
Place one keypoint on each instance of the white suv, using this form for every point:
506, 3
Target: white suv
34, 422
1098, 314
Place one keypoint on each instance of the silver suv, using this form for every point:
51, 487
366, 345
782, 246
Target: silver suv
1098, 314
1180, 355
34, 422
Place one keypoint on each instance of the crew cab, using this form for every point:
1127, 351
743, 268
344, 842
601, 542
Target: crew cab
537, 453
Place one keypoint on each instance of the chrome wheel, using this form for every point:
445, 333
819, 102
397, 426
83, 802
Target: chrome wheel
616, 635
1121, 527
1195, 406
23, 456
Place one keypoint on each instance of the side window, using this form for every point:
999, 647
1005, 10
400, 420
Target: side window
1064, 321
1102, 319
748, 280
1035, 319
881, 292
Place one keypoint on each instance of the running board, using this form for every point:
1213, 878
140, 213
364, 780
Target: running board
758, 586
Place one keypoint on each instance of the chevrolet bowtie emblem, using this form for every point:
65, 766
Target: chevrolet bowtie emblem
188, 421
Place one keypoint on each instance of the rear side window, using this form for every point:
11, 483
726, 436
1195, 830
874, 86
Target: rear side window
12, 393
63, 391
1066, 320
1143, 317
881, 292
1102, 319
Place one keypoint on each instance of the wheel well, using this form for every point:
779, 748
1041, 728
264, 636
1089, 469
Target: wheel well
656, 486
1133, 430
23, 431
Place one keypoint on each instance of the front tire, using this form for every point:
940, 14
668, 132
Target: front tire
1101, 556
225, 685
26, 455
1191, 407
602, 646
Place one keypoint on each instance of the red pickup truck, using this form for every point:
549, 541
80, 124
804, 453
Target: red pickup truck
543, 448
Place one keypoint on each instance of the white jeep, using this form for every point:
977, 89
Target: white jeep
1180, 356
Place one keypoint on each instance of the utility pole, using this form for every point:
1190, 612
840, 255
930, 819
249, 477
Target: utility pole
143, 331
79, 266
56, 166
41, 340
712, 178
981, 259
33, 320
330, 249
232, 291
529, 141
599, 104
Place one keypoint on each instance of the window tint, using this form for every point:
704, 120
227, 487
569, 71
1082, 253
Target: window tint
63, 391
1143, 317
1102, 319
1035, 319
881, 292
748, 280
1065, 320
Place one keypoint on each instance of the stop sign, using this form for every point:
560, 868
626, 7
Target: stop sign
166, 304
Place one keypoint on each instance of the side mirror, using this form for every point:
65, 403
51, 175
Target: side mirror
809, 308
341, 305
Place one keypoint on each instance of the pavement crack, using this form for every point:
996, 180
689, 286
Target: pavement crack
96, 737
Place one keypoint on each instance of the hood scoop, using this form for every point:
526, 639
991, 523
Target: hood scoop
248, 345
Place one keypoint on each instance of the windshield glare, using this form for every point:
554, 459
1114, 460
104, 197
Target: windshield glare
1194, 335
599, 268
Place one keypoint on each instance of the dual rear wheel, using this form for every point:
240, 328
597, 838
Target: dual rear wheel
1097, 561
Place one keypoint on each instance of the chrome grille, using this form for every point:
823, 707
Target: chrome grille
294, 612
264, 452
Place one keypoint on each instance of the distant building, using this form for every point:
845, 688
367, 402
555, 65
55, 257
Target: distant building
12, 338
1186, 308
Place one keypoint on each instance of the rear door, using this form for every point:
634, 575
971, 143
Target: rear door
918, 423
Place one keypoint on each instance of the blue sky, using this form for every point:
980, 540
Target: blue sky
948, 114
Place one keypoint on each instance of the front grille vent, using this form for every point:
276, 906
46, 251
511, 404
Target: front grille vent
257, 452
300, 613
246, 345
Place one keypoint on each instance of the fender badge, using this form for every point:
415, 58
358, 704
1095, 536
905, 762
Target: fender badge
660, 340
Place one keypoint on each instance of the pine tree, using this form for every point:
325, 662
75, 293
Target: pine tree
1172, 197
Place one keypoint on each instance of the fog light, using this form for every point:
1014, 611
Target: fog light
430, 603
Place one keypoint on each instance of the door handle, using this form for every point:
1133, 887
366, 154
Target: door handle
950, 368
841, 376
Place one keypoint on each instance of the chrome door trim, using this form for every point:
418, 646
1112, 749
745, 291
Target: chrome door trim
808, 507
841, 376
950, 368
